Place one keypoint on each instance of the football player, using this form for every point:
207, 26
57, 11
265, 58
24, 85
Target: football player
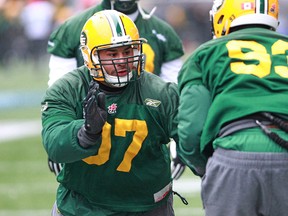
233, 110
162, 53
109, 123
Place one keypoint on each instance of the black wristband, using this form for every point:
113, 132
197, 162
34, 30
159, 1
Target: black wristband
87, 140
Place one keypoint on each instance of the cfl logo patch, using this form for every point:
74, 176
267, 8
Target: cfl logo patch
112, 109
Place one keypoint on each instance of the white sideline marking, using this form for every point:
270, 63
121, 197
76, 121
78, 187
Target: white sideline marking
17, 129
187, 185
42, 212
189, 211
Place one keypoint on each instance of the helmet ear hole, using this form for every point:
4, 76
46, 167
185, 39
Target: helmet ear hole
220, 20
95, 58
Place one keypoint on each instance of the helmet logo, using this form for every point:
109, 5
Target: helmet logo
83, 39
247, 6
273, 8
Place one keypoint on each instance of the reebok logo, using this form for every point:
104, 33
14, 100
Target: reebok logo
152, 102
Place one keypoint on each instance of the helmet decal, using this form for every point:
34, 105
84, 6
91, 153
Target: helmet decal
116, 25
248, 6
273, 9
83, 38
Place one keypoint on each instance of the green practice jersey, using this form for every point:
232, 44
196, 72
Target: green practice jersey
163, 43
129, 170
228, 78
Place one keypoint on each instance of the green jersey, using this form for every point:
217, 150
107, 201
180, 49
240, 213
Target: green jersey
163, 43
229, 78
129, 169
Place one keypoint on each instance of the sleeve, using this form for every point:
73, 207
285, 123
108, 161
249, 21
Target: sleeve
170, 70
193, 109
65, 40
61, 43
173, 44
172, 52
58, 66
174, 102
61, 121
195, 100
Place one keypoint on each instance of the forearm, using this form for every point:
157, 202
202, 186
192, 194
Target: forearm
170, 70
61, 142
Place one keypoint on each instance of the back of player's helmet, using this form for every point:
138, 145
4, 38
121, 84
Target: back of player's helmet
227, 14
111, 29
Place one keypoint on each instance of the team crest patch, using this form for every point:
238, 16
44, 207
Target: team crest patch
112, 108
152, 102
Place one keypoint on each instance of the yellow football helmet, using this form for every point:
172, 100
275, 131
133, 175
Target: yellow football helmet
105, 30
226, 14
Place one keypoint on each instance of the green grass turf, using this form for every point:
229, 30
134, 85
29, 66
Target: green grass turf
27, 187
25, 183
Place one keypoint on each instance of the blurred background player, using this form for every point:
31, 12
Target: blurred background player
233, 110
163, 51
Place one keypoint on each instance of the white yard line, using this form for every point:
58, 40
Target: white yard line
187, 185
11, 130
32, 212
